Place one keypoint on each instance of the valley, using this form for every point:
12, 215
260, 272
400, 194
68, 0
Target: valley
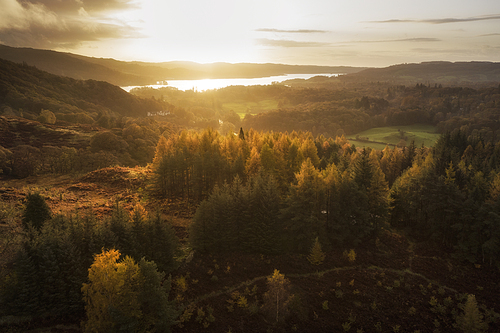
328, 204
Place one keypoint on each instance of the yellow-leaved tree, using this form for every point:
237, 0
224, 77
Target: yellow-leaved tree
277, 298
122, 295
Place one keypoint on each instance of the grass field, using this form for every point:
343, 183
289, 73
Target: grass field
378, 138
244, 107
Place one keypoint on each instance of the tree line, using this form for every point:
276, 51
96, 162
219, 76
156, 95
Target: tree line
276, 192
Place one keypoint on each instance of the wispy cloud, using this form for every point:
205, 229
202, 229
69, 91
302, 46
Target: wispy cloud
299, 31
443, 20
288, 43
418, 40
91, 6
488, 35
55, 23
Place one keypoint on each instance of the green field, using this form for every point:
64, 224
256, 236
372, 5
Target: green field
378, 138
244, 107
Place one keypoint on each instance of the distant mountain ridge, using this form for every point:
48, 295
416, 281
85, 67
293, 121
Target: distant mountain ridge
123, 73
434, 72
138, 73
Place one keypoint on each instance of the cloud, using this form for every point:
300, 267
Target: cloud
417, 39
91, 6
288, 43
488, 35
300, 31
55, 23
443, 20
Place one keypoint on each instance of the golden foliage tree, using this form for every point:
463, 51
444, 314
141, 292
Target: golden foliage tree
125, 296
161, 149
112, 289
277, 297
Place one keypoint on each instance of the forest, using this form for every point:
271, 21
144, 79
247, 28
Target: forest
204, 219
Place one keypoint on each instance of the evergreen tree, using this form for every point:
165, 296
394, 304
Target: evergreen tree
302, 212
263, 230
316, 256
471, 321
241, 135
36, 211
161, 242
48, 275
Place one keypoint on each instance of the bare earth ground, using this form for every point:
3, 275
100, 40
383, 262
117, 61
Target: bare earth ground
392, 286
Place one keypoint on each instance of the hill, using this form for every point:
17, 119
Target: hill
26, 90
141, 73
441, 72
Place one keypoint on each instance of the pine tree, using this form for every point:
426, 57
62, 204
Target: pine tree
317, 256
471, 321
36, 211
302, 210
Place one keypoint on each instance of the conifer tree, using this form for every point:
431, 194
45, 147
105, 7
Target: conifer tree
302, 210
316, 256
36, 211
161, 149
471, 321
241, 135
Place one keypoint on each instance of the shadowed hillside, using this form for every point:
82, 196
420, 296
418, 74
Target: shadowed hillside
27, 90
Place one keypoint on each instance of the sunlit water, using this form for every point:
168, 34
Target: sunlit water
209, 84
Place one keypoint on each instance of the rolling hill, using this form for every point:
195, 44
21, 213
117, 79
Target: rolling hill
449, 73
123, 73
26, 89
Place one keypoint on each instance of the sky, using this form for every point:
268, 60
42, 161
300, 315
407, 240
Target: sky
304, 32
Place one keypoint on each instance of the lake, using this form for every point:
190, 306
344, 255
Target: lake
208, 84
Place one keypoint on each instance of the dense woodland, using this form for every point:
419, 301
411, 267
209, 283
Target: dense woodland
287, 183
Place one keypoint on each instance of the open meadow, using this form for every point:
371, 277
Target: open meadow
378, 138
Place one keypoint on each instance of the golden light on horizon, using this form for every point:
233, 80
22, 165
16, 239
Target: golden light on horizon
356, 33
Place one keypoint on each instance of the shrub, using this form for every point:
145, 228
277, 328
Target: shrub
350, 255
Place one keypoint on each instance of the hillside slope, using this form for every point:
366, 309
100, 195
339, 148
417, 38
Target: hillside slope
26, 89
141, 73
434, 72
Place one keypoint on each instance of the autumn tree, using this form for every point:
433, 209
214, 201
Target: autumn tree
122, 295
277, 297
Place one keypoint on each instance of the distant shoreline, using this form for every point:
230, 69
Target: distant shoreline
209, 84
